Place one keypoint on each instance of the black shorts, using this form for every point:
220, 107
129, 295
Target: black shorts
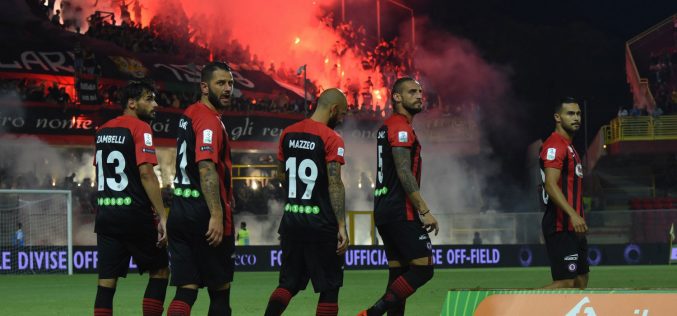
114, 252
315, 261
191, 259
568, 254
405, 241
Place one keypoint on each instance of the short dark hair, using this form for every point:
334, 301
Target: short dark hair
397, 86
134, 90
558, 107
208, 69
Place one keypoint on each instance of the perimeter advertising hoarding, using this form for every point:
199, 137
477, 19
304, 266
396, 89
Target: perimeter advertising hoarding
268, 258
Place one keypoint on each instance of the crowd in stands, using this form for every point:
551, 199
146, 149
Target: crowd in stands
663, 80
34, 90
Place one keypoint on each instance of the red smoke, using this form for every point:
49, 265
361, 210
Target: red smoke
287, 33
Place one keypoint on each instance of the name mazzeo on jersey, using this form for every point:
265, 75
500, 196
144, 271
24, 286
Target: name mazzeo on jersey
301, 144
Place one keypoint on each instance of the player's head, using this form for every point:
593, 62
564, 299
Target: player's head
407, 94
139, 97
334, 102
243, 225
19, 225
568, 115
216, 83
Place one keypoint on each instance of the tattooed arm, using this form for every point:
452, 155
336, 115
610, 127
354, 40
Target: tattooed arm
209, 182
402, 158
337, 196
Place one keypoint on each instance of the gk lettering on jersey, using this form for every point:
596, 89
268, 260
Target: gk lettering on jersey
302, 144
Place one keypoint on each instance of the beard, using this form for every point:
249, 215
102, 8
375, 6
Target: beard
333, 122
146, 116
412, 110
215, 100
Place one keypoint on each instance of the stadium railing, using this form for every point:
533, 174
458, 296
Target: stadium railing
640, 128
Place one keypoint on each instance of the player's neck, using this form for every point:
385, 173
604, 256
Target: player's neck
405, 113
130, 112
320, 116
205, 100
561, 131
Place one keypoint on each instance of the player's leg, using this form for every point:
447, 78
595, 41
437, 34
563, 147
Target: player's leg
581, 280
113, 262
184, 273
217, 274
149, 257
410, 245
292, 275
563, 255
395, 270
325, 268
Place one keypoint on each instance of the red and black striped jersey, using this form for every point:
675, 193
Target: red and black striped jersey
305, 148
557, 152
122, 145
202, 136
391, 202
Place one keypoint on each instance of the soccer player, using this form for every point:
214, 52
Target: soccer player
563, 225
313, 230
402, 217
200, 224
127, 193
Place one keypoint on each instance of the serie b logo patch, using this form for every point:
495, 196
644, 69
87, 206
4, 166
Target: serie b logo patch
148, 139
403, 137
552, 153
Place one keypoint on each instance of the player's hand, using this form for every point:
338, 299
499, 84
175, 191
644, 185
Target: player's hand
579, 224
343, 241
430, 223
162, 234
215, 231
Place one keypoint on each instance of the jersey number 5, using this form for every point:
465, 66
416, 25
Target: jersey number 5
114, 157
306, 166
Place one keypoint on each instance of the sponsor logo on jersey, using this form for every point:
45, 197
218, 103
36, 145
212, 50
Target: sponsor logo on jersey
403, 137
148, 150
207, 136
552, 152
423, 237
148, 139
341, 151
206, 148
573, 257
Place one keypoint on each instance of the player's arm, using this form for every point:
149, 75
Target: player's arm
209, 183
337, 198
151, 185
555, 194
281, 176
402, 158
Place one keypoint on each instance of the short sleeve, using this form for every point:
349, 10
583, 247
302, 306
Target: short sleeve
208, 138
553, 156
334, 148
143, 145
401, 135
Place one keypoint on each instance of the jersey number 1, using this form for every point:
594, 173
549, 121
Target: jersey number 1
304, 167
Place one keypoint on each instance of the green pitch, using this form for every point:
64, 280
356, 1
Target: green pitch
74, 295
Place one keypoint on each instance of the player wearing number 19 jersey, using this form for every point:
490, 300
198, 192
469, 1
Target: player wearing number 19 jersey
200, 225
402, 217
312, 231
127, 193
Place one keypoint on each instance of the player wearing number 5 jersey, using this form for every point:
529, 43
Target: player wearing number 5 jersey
402, 217
313, 234
200, 224
127, 193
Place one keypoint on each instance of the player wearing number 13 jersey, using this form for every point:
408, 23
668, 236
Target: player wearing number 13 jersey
127, 193
313, 235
